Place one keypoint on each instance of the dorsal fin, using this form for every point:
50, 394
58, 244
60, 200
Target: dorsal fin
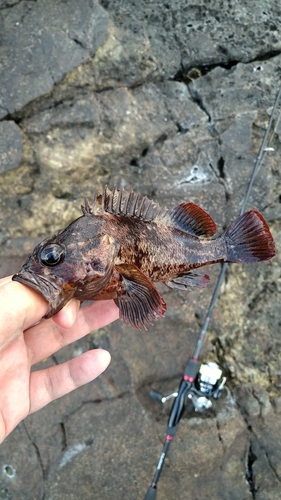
86, 209
186, 217
121, 202
193, 219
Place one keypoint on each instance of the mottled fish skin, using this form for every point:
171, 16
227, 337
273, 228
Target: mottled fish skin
124, 243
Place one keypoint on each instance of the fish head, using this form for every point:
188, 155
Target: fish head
76, 262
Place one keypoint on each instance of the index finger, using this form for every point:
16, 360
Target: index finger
48, 337
5, 280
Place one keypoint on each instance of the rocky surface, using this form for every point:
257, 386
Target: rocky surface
170, 99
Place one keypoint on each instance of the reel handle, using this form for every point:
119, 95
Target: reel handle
157, 396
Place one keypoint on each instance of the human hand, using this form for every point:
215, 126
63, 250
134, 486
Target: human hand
22, 345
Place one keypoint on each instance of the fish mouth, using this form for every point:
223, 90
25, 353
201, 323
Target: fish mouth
50, 288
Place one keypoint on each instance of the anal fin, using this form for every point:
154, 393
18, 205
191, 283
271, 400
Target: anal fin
187, 280
138, 299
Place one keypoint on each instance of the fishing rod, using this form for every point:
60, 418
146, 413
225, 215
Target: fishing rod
201, 383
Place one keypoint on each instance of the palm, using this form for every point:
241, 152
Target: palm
14, 383
23, 345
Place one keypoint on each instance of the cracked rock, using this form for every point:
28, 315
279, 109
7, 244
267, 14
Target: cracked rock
10, 146
170, 100
41, 45
21, 474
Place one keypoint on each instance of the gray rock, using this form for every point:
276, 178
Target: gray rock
112, 482
41, 45
201, 35
21, 474
10, 146
172, 101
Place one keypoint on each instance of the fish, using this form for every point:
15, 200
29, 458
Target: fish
124, 243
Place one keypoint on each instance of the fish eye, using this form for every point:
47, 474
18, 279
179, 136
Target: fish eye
51, 255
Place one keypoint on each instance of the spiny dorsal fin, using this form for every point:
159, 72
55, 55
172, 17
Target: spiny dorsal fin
186, 217
86, 209
130, 204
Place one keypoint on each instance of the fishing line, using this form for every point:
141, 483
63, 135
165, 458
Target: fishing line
201, 383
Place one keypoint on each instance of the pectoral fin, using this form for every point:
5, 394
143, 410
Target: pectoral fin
138, 299
190, 279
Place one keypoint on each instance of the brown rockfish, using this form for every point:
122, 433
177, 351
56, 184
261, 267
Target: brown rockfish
124, 242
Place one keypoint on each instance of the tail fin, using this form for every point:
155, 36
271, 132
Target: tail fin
248, 239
